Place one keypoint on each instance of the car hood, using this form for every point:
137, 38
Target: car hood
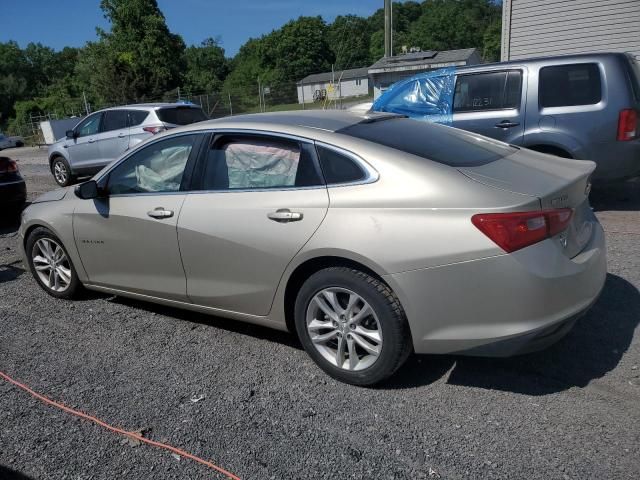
52, 196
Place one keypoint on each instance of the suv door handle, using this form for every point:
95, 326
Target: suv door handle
91, 140
507, 124
160, 213
121, 135
284, 215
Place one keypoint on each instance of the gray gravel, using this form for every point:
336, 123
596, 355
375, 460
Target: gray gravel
572, 411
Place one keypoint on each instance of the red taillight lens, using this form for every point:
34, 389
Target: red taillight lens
154, 129
7, 165
513, 231
627, 125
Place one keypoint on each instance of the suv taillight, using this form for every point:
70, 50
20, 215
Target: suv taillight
154, 129
513, 231
627, 125
7, 165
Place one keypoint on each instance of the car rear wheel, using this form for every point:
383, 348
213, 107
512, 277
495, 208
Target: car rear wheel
352, 325
62, 172
50, 264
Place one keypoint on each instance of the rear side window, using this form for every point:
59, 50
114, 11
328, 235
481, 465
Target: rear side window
446, 145
181, 115
114, 120
256, 162
634, 75
338, 168
487, 91
570, 85
136, 117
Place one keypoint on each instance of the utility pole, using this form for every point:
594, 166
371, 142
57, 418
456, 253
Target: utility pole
86, 105
388, 28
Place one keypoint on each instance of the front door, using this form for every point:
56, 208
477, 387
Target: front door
127, 240
261, 200
491, 103
83, 148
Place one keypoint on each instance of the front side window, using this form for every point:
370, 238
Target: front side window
256, 162
157, 168
114, 120
570, 85
487, 91
89, 126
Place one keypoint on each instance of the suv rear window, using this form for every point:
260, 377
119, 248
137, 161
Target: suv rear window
570, 85
634, 76
181, 115
446, 145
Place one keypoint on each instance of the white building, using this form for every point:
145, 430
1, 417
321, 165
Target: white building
535, 28
333, 85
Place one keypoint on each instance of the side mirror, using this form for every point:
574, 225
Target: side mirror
71, 134
87, 190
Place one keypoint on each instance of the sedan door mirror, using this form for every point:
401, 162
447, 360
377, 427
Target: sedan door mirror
87, 190
71, 134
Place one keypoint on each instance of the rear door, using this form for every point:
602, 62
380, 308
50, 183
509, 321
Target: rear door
83, 148
260, 200
491, 103
113, 140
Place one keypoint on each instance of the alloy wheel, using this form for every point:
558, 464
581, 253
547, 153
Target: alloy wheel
51, 264
60, 172
344, 328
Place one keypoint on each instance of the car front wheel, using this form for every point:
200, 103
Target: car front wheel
352, 325
61, 172
50, 264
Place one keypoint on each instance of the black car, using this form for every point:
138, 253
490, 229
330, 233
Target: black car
13, 191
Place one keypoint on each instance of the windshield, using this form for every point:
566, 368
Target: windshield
446, 145
181, 115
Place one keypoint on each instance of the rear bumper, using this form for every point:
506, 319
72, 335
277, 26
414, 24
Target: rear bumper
503, 305
615, 160
13, 194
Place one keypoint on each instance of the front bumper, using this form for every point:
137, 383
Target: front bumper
501, 305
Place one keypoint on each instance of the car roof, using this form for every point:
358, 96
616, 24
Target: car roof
576, 57
327, 120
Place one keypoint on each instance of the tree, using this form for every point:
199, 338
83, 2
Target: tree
138, 59
207, 67
348, 37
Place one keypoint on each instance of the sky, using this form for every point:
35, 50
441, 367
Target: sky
60, 23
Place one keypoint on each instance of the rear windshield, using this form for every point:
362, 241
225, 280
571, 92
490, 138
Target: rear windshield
438, 143
181, 115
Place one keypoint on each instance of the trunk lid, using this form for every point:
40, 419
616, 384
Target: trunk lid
556, 182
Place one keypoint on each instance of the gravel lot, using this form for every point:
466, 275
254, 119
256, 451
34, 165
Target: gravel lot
572, 411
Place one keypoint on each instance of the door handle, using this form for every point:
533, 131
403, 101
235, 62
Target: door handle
121, 135
160, 213
91, 140
284, 215
507, 124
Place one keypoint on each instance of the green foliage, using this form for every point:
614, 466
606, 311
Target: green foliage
139, 59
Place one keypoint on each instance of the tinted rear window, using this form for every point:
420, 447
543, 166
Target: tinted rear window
634, 76
136, 117
181, 115
338, 168
438, 143
570, 85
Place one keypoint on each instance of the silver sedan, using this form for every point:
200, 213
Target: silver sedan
368, 235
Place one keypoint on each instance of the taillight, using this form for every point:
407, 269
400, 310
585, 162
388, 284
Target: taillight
513, 231
7, 165
154, 129
627, 125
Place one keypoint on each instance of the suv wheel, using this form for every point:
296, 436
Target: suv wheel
352, 325
50, 264
62, 172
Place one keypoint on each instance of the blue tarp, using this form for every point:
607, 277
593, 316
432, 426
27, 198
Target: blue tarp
426, 96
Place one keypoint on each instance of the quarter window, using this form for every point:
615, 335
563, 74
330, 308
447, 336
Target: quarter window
338, 168
114, 120
255, 162
136, 117
570, 85
156, 168
487, 91
89, 126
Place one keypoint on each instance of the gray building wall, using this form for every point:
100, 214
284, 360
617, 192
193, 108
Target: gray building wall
534, 28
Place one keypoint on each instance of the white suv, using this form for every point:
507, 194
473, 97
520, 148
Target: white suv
103, 136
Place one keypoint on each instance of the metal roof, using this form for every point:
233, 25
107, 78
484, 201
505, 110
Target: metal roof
327, 76
416, 60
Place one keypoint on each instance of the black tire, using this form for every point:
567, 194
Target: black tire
19, 144
68, 178
396, 336
75, 286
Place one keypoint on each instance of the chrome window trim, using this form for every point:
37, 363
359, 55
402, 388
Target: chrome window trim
371, 174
